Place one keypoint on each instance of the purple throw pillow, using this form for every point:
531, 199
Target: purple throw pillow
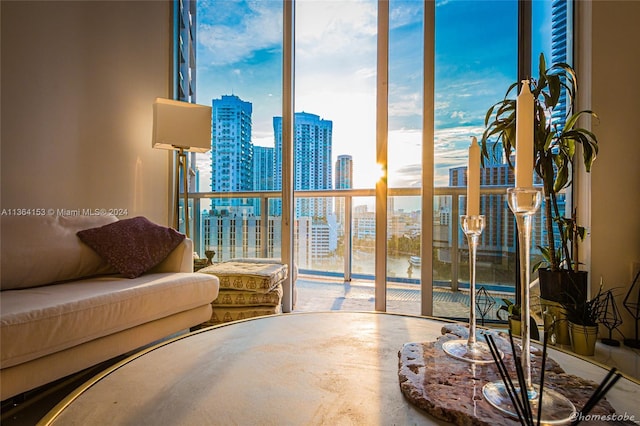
132, 246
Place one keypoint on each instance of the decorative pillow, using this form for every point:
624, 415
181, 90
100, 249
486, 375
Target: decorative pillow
132, 246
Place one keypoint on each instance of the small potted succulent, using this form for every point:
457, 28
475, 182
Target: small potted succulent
512, 313
583, 318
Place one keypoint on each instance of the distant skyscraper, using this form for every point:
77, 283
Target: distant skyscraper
344, 180
313, 138
231, 148
561, 26
262, 173
263, 168
344, 172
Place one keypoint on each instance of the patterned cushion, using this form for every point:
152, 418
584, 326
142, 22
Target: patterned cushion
255, 277
248, 298
132, 246
228, 314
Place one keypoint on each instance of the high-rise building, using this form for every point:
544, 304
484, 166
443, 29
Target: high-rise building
263, 163
561, 26
344, 172
263, 168
313, 138
231, 150
185, 68
344, 180
232, 236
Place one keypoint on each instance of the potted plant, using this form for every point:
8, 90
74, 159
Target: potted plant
583, 320
556, 136
514, 316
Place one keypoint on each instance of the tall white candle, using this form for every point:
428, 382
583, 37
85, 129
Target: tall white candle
473, 179
524, 137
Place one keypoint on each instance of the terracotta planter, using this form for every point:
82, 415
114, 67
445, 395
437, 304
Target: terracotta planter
555, 320
583, 338
563, 286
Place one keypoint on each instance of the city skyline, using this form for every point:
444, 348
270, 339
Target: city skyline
239, 52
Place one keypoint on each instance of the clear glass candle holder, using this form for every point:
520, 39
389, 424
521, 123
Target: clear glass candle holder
471, 350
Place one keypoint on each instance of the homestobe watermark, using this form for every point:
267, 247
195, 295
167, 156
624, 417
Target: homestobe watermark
63, 212
615, 417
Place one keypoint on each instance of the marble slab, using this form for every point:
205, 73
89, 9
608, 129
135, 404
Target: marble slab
451, 389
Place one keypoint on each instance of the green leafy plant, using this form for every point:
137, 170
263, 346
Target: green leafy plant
556, 136
510, 308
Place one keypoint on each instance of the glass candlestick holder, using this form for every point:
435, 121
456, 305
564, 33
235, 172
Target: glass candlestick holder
470, 350
556, 409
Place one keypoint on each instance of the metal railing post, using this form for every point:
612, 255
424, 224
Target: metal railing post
347, 237
455, 226
264, 226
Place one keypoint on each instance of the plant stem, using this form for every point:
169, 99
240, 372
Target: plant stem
547, 167
563, 240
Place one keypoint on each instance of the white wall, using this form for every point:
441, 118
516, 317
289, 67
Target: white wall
615, 184
78, 83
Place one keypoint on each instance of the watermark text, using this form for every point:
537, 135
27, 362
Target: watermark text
63, 212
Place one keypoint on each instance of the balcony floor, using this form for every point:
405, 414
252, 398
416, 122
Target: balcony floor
327, 294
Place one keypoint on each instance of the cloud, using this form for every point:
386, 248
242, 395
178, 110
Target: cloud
230, 34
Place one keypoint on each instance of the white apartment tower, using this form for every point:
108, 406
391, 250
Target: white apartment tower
313, 139
231, 150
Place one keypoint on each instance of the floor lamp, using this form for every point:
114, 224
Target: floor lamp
182, 127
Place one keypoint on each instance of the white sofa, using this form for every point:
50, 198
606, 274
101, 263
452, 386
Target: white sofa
63, 308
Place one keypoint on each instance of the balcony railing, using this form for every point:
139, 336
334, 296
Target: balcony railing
496, 254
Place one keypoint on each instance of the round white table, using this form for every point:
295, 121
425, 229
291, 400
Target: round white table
293, 369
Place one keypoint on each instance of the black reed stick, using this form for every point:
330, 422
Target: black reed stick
524, 391
542, 368
506, 379
606, 384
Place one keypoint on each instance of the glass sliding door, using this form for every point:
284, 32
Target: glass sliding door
239, 73
447, 63
475, 62
404, 168
335, 88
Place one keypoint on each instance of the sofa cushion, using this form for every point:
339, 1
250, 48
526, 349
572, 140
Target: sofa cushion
38, 321
132, 246
38, 250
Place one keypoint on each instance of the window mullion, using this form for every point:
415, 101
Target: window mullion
382, 132
288, 108
428, 125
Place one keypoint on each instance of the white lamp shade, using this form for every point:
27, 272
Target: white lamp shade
183, 125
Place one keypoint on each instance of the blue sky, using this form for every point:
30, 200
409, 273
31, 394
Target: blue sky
239, 52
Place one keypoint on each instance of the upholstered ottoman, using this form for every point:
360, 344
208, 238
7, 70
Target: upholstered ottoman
247, 289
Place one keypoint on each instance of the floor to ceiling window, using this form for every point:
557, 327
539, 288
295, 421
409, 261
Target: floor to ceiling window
239, 60
475, 60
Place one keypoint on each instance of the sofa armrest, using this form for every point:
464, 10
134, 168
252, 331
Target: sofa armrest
179, 260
